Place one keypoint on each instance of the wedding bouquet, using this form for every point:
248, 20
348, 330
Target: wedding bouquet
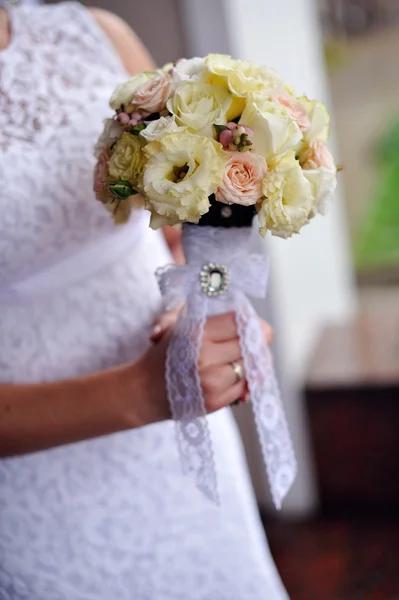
210, 142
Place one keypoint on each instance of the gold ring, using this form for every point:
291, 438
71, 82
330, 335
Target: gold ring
238, 370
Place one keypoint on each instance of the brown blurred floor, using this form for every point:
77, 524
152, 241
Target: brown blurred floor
337, 559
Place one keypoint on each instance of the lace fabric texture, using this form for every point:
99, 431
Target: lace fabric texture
54, 86
248, 275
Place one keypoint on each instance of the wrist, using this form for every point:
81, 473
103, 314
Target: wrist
143, 396
133, 394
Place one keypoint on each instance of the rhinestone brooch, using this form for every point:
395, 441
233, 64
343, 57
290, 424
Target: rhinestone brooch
214, 279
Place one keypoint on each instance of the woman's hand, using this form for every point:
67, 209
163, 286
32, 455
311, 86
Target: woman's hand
220, 351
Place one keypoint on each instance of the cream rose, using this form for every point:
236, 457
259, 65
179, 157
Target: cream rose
274, 131
127, 159
182, 171
316, 155
242, 179
158, 128
323, 183
243, 77
199, 106
294, 108
287, 199
124, 92
151, 96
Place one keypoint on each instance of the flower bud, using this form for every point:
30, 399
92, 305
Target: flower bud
121, 190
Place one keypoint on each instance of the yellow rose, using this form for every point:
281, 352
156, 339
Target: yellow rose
127, 159
243, 77
182, 171
199, 105
125, 91
319, 120
287, 200
275, 132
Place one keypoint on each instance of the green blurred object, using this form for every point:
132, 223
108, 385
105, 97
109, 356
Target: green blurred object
377, 243
334, 53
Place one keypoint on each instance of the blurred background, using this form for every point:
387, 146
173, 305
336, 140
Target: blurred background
334, 294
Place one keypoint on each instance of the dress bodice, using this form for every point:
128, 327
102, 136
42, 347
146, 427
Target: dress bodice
74, 295
55, 78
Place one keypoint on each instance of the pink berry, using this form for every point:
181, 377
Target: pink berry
123, 118
226, 138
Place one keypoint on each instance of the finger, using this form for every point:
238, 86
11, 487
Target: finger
218, 380
221, 328
216, 401
162, 324
215, 354
267, 332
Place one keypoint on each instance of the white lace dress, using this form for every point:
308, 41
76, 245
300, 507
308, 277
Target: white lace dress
111, 518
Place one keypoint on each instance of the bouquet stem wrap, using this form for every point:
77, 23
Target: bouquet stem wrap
244, 273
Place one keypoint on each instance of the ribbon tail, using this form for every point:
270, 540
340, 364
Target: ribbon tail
186, 397
270, 419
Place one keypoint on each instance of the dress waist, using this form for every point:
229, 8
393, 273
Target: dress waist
92, 258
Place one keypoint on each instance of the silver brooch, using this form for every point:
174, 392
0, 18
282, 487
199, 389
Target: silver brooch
214, 279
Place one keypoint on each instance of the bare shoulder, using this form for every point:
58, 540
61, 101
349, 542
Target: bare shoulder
132, 51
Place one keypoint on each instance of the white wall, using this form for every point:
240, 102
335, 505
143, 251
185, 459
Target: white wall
156, 22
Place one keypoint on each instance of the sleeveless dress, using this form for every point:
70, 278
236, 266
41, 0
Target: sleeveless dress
111, 518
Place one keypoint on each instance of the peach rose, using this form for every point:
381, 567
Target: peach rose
152, 95
242, 179
100, 185
294, 109
315, 156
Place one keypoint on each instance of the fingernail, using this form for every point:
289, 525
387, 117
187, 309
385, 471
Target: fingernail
156, 330
247, 397
156, 333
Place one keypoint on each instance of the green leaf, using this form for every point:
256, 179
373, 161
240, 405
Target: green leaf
137, 128
121, 190
220, 128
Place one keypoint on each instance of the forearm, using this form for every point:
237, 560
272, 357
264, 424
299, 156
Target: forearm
36, 417
173, 239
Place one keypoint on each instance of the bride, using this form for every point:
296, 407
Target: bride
93, 505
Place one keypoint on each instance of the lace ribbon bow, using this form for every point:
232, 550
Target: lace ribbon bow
193, 285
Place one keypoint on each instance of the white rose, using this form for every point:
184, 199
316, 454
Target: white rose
323, 183
111, 132
199, 105
125, 91
189, 69
275, 132
158, 128
287, 199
